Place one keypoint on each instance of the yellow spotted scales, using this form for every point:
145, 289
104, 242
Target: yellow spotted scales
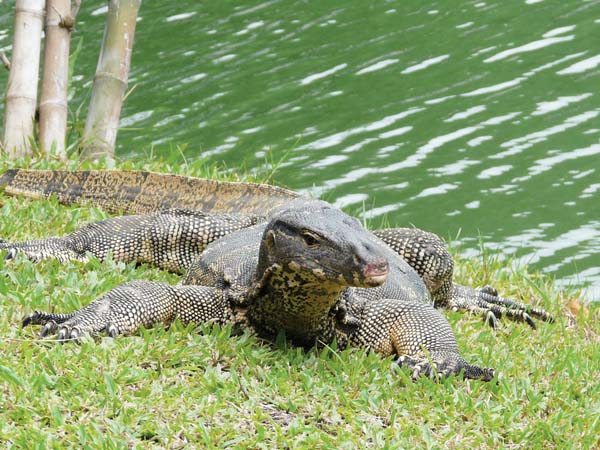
262, 257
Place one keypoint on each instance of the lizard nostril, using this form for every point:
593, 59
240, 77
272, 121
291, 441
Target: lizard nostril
377, 267
376, 271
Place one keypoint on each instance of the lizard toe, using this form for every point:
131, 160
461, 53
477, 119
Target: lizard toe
50, 328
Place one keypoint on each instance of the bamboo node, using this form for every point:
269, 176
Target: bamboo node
17, 96
65, 21
61, 103
110, 76
31, 12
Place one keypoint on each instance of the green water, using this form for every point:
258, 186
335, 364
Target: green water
475, 120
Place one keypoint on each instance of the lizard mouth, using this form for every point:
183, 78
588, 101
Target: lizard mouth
376, 273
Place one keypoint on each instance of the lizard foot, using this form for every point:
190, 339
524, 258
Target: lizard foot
491, 306
69, 327
36, 251
443, 367
126, 308
11, 253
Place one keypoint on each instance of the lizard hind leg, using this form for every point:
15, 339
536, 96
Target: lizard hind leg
487, 302
429, 256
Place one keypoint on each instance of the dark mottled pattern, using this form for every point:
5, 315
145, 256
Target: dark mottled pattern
305, 267
138, 192
145, 192
311, 271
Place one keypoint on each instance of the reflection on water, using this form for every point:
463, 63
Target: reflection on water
476, 119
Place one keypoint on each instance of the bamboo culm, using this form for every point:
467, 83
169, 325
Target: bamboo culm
53, 101
110, 81
21, 93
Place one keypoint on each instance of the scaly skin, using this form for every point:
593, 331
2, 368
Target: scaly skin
137, 192
291, 274
238, 285
170, 240
173, 239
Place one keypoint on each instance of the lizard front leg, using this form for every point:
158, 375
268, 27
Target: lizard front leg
417, 334
126, 308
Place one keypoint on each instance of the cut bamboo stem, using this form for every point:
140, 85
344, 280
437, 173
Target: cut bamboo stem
21, 92
53, 102
110, 82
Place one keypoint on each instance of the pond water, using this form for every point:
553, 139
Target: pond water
476, 120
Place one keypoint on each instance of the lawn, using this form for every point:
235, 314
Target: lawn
209, 387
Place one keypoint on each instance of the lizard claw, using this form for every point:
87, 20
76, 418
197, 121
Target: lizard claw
11, 253
112, 330
491, 319
527, 318
74, 334
66, 326
490, 290
50, 328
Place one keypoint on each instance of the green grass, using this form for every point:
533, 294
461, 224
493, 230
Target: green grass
210, 388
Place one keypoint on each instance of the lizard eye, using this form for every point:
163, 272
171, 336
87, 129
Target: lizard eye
311, 239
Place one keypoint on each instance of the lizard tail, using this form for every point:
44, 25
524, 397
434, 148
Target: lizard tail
140, 192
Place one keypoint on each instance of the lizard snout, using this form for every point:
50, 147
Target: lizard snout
375, 273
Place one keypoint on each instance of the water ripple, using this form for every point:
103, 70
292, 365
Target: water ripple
478, 140
317, 76
559, 103
464, 114
338, 138
181, 16
250, 27
544, 164
436, 190
494, 87
522, 143
535, 45
377, 66
424, 64
454, 168
581, 66
560, 30
350, 199
397, 132
422, 152
494, 171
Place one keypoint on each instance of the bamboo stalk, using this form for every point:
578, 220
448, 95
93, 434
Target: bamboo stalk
53, 102
21, 92
110, 81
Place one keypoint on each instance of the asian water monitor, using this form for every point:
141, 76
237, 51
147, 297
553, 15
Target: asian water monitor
167, 238
311, 271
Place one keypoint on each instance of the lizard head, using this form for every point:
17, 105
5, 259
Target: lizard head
319, 244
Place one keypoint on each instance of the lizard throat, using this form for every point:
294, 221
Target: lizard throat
298, 303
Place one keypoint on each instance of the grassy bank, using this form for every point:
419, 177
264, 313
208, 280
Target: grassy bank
207, 388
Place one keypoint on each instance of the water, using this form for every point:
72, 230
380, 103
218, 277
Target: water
475, 120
